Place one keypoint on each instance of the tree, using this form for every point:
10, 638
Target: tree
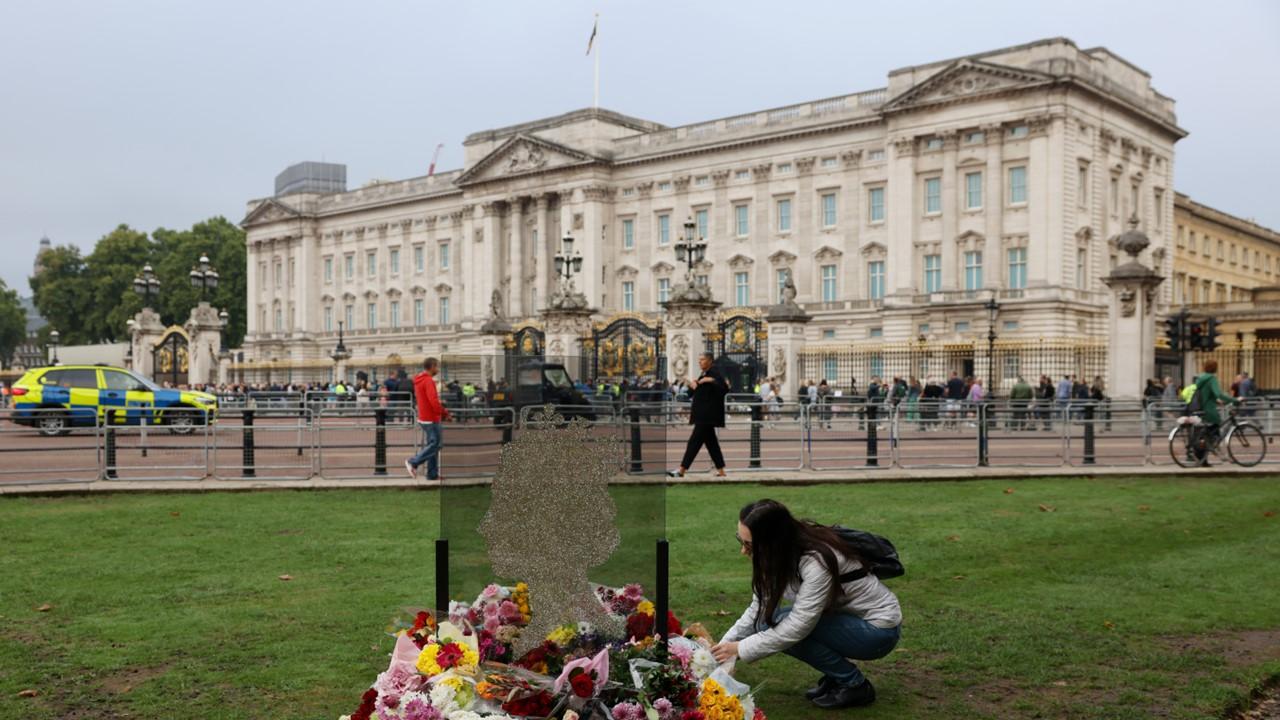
62, 293
111, 267
13, 323
178, 251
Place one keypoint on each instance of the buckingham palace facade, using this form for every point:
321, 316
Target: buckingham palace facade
899, 211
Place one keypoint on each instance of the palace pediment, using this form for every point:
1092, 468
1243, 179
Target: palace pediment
965, 80
269, 211
524, 155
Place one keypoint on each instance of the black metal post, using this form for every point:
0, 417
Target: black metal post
442, 576
757, 417
246, 444
637, 442
983, 435
1088, 433
873, 459
380, 441
662, 597
110, 451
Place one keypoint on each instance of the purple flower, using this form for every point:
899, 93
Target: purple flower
421, 709
628, 711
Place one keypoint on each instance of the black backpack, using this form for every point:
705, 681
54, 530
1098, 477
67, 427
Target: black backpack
879, 556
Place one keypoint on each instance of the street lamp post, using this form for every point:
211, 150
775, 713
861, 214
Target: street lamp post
568, 262
224, 316
53, 341
147, 285
993, 309
339, 352
204, 277
690, 249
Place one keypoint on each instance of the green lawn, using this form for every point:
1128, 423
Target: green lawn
1125, 598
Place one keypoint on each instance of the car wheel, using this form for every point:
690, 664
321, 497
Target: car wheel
182, 421
53, 424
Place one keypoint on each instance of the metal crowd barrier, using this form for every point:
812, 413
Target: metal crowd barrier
847, 434
763, 436
155, 452
924, 435
276, 445
27, 455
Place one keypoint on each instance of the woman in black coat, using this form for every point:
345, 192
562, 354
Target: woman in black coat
705, 415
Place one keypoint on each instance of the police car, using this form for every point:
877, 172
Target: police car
56, 399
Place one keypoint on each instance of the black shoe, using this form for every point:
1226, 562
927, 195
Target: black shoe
825, 685
850, 696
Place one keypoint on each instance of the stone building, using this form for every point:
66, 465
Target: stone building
1228, 268
900, 212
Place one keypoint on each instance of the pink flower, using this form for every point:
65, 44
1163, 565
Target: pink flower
628, 711
491, 591
666, 709
509, 612
491, 610
420, 709
492, 624
399, 679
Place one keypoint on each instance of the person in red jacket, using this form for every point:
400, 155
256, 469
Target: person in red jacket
430, 415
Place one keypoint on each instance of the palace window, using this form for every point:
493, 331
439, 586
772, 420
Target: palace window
973, 191
444, 256
973, 138
742, 175
875, 279
932, 273
782, 283
444, 311
395, 314
628, 295
700, 217
1017, 185
1017, 260
1018, 131
742, 289
371, 263
1082, 265
873, 155
419, 312
628, 234
932, 196
829, 210
828, 283
328, 269
349, 266
664, 290
784, 215
349, 315
741, 220
664, 229
328, 318
420, 257
394, 261
828, 162
973, 270
372, 316
875, 203
1082, 186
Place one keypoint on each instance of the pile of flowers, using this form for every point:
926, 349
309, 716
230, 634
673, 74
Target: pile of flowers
463, 668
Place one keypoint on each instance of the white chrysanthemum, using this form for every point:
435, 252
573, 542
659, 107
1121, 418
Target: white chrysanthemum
702, 664
444, 698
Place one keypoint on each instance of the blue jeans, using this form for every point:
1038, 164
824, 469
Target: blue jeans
430, 452
838, 637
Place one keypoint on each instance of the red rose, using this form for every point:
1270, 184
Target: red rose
673, 625
689, 696
537, 705
693, 715
639, 626
449, 655
583, 685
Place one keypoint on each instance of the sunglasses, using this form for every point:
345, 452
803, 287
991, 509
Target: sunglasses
746, 544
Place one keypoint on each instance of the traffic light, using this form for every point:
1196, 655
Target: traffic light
1211, 332
1195, 336
1173, 331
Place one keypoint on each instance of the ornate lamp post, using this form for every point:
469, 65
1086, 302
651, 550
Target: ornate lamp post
690, 249
53, 341
204, 277
568, 262
147, 285
993, 310
225, 317
339, 353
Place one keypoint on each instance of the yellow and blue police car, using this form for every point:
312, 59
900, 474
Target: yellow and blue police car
58, 398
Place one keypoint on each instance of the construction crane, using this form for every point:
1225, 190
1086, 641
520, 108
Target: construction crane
434, 157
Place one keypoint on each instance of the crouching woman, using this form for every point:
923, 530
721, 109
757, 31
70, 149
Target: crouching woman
837, 612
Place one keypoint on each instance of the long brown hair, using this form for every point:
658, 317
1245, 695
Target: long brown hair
778, 542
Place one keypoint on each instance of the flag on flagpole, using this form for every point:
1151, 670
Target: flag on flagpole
591, 40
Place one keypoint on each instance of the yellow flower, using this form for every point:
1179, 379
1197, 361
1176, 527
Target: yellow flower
427, 661
645, 608
563, 635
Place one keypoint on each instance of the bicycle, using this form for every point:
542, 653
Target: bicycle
1190, 447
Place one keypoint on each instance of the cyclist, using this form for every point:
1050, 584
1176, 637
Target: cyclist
1208, 394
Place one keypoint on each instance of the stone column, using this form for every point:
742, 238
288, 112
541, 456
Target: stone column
592, 244
516, 258
545, 263
902, 218
786, 342
1248, 348
205, 330
690, 310
565, 327
489, 269
467, 302
1046, 190
992, 193
951, 208
147, 331
1132, 326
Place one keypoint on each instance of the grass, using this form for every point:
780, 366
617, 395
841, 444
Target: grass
1129, 598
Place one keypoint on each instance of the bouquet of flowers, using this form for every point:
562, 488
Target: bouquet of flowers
463, 668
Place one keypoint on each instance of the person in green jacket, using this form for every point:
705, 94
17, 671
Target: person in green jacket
1210, 394
1020, 397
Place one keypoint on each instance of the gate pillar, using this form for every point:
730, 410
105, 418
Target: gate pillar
786, 341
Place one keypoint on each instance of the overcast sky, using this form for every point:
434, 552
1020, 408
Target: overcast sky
165, 112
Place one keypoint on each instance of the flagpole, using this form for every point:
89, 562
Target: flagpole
597, 59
